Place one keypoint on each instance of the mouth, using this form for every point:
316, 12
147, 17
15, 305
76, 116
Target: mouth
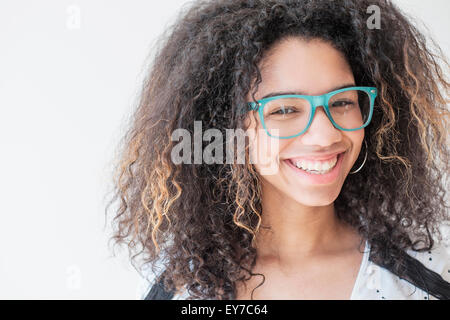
317, 172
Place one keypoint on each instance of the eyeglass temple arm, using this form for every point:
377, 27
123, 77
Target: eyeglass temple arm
252, 106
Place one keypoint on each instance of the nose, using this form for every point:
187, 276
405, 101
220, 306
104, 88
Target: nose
321, 131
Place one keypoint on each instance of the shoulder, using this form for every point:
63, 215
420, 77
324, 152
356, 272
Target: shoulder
379, 283
148, 280
437, 259
151, 288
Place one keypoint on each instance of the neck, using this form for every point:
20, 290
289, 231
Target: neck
296, 231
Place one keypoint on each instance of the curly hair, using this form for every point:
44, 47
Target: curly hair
203, 218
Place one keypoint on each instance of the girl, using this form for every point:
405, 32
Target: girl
348, 204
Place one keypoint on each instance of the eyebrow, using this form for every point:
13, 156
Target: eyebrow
282, 93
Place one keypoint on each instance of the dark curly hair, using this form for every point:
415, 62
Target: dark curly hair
197, 216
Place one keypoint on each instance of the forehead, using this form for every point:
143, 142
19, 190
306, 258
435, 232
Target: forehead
312, 67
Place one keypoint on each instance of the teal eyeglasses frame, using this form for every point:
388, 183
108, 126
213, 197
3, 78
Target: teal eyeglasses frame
315, 102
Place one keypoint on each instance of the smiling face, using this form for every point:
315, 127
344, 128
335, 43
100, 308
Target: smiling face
312, 68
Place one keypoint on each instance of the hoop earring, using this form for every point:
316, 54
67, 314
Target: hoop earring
365, 157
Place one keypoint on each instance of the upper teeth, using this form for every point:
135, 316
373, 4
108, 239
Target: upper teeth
316, 165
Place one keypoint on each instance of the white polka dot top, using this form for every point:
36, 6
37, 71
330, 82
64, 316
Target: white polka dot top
374, 282
377, 283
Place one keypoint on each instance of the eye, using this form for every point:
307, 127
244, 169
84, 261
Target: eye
342, 103
284, 110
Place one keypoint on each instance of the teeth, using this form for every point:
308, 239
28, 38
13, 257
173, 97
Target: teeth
318, 172
316, 165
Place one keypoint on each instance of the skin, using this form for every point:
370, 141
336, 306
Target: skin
305, 237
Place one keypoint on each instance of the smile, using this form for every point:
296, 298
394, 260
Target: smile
317, 172
318, 167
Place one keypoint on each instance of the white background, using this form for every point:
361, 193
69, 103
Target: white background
65, 92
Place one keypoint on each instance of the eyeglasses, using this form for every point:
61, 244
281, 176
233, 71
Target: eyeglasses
288, 116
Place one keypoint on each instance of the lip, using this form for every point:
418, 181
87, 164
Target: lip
318, 179
318, 158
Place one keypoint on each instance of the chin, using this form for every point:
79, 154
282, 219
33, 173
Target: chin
314, 203
314, 199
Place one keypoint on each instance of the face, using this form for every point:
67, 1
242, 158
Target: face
312, 68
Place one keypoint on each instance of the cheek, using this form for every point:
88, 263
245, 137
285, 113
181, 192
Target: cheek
356, 139
265, 151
